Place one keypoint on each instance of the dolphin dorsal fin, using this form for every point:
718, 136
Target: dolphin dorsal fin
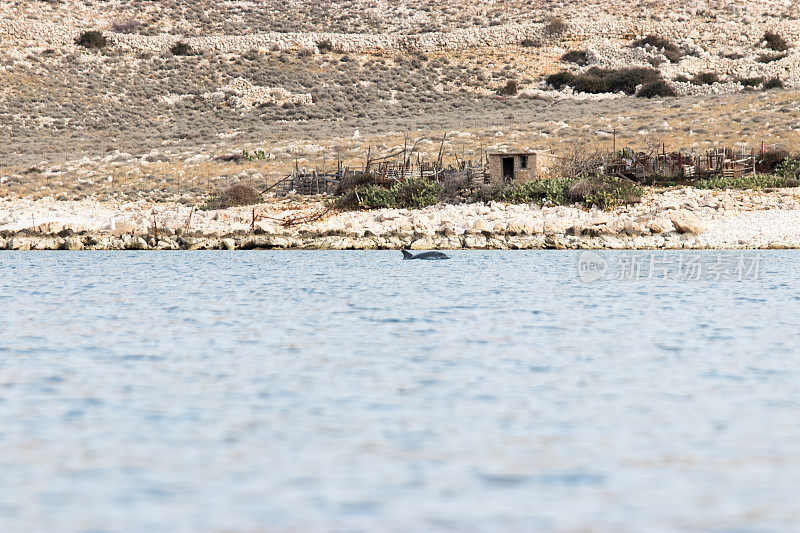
407, 254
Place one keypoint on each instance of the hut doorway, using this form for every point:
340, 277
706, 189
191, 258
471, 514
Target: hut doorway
508, 168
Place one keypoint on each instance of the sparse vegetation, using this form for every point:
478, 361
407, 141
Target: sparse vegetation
773, 83
656, 89
596, 81
509, 89
556, 27
775, 42
92, 39
325, 46
181, 49
236, 195
599, 191
578, 57
705, 78
126, 26
410, 194
770, 58
530, 43
758, 181
667, 47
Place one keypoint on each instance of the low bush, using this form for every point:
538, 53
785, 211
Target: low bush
181, 49
530, 43
773, 83
789, 168
596, 80
758, 181
409, 194
656, 89
667, 47
600, 191
238, 194
555, 27
752, 82
92, 39
733, 55
509, 89
775, 42
705, 78
770, 159
126, 26
770, 58
325, 46
578, 57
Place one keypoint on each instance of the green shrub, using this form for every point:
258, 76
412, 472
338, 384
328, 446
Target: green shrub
578, 57
789, 167
509, 89
92, 39
181, 49
775, 42
758, 181
417, 193
603, 192
409, 194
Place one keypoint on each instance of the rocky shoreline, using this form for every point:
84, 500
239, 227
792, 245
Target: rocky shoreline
678, 218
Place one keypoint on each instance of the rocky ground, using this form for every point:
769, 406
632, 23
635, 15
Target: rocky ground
671, 218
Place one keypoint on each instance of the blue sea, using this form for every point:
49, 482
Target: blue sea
348, 391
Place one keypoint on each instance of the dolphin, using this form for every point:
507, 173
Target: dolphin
424, 255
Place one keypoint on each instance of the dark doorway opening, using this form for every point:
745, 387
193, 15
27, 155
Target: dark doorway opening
508, 168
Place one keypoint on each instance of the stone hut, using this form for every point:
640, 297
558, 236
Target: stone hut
521, 165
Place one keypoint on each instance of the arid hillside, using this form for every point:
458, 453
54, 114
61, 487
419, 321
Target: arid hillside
167, 94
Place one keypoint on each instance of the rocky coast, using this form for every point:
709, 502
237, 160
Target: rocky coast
676, 218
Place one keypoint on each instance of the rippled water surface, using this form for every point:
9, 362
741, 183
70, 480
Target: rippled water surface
353, 391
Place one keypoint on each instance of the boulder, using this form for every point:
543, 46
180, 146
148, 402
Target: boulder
686, 222
227, 244
136, 243
73, 243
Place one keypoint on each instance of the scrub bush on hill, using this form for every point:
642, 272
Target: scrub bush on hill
578, 57
775, 42
92, 39
597, 81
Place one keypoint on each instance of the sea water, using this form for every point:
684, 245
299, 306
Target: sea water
355, 391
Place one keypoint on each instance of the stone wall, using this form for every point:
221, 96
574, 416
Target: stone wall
725, 33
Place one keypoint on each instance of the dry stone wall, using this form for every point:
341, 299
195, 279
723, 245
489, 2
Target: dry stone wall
712, 33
